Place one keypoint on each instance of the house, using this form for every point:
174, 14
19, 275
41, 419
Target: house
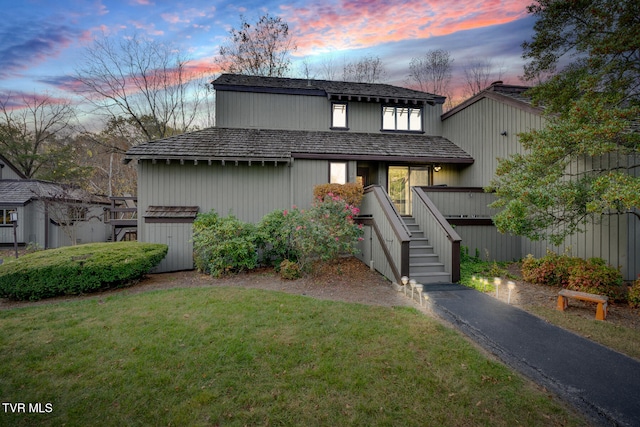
50, 215
276, 138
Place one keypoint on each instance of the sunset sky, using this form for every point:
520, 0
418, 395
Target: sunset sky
41, 40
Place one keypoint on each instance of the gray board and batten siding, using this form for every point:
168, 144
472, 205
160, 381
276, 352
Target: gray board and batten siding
247, 192
487, 127
305, 104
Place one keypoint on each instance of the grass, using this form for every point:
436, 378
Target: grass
224, 356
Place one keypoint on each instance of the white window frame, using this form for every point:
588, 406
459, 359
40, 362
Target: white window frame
338, 172
340, 111
402, 118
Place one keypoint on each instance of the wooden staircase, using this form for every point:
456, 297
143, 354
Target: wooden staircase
424, 265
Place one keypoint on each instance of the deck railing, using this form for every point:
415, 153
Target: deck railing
443, 238
389, 240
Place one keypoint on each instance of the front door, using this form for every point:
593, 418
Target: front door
401, 179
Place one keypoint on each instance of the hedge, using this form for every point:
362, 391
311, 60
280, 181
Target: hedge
78, 269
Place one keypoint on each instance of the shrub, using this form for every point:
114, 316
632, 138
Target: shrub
224, 245
290, 270
592, 275
77, 269
550, 270
634, 294
274, 237
325, 231
351, 192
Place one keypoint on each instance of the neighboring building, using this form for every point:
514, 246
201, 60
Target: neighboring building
276, 138
49, 214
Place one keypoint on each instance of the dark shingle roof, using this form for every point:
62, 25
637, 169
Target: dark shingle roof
280, 145
374, 92
19, 192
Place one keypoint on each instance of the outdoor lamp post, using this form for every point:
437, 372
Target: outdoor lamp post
13, 216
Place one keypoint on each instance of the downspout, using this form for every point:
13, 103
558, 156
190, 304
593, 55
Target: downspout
46, 225
291, 198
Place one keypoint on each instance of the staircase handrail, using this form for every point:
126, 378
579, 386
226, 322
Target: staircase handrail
450, 253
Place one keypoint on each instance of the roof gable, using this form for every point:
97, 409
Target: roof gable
5, 163
513, 95
335, 90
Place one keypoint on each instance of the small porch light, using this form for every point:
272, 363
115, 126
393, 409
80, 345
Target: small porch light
437, 168
13, 216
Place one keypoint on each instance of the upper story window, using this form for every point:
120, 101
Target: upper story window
402, 118
339, 115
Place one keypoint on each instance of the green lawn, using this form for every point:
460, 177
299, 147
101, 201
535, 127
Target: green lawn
224, 356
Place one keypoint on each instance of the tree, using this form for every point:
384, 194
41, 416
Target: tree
149, 83
584, 164
34, 135
262, 49
369, 69
432, 72
479, 73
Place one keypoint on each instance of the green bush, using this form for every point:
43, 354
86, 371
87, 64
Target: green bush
224, 245
274, 237
77, 269
325, 231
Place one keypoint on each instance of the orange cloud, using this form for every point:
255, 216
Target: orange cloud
365, 23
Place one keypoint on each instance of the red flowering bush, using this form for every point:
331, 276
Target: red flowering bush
325, 231
592, 275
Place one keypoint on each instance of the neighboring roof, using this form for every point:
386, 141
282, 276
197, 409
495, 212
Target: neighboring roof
269, 145
19, 192
513, 95
335, 90
5, 162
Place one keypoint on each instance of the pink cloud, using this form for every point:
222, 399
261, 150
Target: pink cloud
149, 28
173, 18
365, 23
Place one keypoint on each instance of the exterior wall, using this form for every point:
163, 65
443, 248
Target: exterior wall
477, 128
248, 192
8, 173
300, 112
615, 238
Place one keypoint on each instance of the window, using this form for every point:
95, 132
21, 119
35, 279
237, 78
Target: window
402, 118
5, 216
338, 116
77, 213
337, 172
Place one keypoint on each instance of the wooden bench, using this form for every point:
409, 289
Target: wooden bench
601, 310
